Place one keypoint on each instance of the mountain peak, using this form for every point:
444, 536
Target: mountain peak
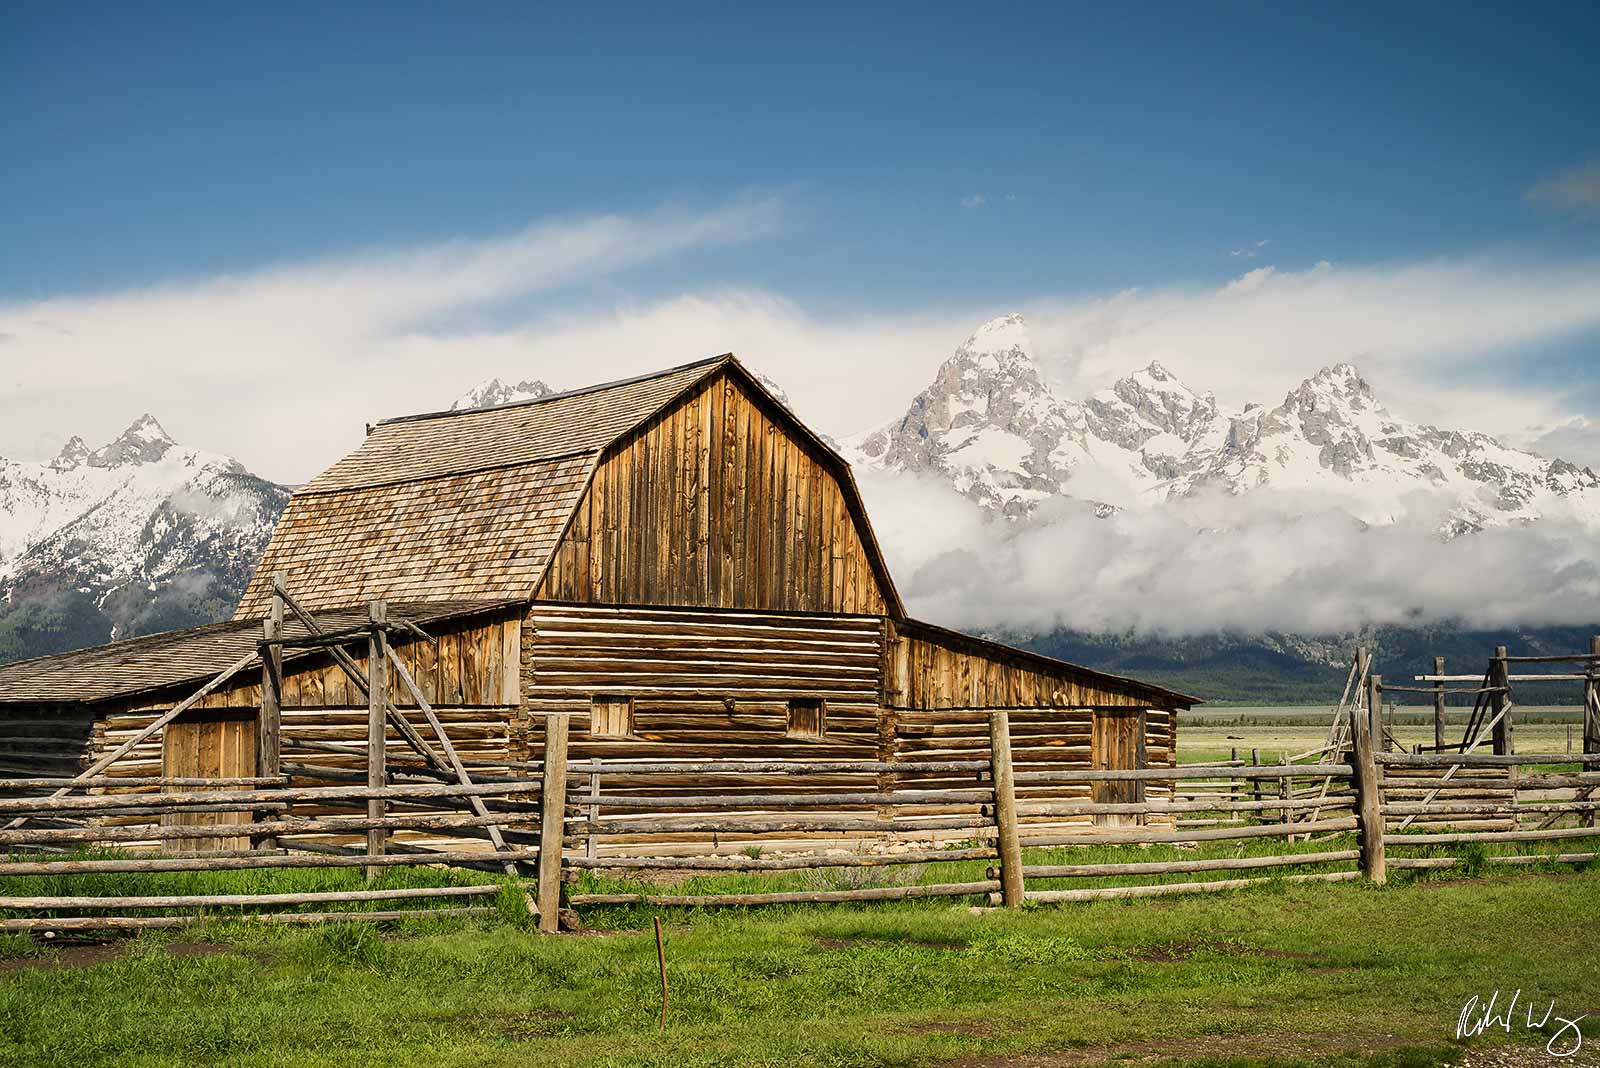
72, 454
144, 442
1344, 377
494, 392
1001, 334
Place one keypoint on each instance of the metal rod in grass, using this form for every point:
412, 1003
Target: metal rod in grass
661, 959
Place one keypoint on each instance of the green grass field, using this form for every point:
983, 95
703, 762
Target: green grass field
1283, 974
1208, 733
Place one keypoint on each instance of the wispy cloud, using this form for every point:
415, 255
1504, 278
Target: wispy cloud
1250, 252
279, 365
1576, 190
974, 200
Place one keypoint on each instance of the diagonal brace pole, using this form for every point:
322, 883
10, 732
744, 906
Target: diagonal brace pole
460, 769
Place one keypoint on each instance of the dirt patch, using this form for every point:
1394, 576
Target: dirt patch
948, 1027
1156, 1051
90, 954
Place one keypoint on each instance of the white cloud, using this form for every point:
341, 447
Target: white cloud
1576, 440
1295, 565
1250, 252
976, 200
281, 366
1576, 190
1432, 337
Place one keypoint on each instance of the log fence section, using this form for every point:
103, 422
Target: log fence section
674, 816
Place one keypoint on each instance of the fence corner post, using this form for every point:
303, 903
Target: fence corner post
552, 820
269, 721
1369, 800
1005, 809
377, 724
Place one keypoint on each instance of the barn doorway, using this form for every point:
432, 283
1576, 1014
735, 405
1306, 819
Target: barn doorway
208, 744
1117, 741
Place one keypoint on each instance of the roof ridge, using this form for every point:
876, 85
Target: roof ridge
565, 394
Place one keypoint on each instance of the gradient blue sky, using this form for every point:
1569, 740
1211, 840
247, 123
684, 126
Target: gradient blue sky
923, 156
1111, 148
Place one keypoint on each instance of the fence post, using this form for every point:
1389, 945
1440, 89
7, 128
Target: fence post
1500, 675
591, 847
377, 723
1438, 706
1591, 710
552, 820
1591, 703
269, 724
1369, 799
1005, 809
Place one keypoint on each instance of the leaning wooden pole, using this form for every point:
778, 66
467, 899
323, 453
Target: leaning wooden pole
358, 679
476, 803
552, 820
269, 723
1005, 809
1369, 800
377, 722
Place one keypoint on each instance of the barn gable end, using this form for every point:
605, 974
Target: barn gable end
721, 500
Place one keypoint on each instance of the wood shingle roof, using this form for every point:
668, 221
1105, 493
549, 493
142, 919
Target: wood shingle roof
157, 661
455, 504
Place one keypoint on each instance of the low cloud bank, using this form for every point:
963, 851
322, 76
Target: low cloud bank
1251, 563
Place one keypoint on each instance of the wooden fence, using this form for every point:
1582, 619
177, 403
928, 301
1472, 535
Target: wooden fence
1327, 816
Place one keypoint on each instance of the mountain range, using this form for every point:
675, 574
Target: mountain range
137, 536
992, 425
143, 534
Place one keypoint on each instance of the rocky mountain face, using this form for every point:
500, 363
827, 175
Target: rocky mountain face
140, 535
993, 426
494, 391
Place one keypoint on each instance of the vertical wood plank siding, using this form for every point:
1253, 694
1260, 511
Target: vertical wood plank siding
471, 677
714, 503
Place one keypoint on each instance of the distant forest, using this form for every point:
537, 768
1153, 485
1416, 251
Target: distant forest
1284, 669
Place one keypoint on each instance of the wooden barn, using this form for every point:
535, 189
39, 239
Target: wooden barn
674, 559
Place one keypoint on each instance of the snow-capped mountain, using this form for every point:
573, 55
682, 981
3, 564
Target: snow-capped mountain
494, 391
991, 424
138, 535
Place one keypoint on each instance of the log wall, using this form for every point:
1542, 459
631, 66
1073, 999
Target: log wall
717, 502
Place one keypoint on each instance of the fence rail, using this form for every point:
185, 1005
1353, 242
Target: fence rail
880, 830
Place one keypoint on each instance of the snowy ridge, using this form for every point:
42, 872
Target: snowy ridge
124, 530
991, 424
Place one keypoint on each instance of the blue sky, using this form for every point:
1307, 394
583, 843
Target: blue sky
908, 165
1110, 148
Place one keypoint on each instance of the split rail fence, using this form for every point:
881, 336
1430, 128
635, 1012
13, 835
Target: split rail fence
1350, 809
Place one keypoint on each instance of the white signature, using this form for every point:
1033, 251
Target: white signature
1477, 1016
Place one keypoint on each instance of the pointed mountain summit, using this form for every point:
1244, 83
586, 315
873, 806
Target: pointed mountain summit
72, 454
144, 442
495, 392
988, 422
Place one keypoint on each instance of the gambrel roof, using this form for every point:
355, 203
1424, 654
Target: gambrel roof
471, 504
